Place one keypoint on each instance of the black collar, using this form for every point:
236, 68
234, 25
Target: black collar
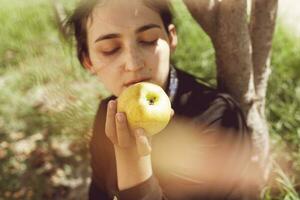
173, 84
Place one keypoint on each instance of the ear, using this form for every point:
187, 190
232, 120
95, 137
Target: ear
172, 37
87, 63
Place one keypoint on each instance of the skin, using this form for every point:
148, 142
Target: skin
123, 52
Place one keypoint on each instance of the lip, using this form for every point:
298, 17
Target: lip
136, 81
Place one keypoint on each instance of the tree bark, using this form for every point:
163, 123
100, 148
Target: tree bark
233, 52
262, 26
242, 57
205, 13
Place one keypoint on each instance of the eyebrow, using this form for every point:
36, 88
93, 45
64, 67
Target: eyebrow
117, 35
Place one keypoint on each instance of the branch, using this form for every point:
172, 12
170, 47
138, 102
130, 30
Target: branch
233, 52
205, 13
226, 24
262, 25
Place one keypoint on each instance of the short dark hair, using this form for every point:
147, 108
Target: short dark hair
77, 22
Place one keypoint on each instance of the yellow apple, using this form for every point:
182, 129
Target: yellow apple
146, 106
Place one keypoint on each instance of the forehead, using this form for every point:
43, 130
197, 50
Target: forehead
118, 15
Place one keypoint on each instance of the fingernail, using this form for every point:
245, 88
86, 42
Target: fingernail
111, 104
139, 132
120, 117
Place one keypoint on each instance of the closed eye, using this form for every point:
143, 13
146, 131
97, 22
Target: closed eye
153, 42
147, 43
109, 53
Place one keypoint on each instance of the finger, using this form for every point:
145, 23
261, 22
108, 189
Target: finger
123, 133
142, 143
110, 126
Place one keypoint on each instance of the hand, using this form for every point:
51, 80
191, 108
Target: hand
132, 149
117, 130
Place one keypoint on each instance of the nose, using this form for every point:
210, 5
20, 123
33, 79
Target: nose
134, 60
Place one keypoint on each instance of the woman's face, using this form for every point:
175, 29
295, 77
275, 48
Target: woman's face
127, 43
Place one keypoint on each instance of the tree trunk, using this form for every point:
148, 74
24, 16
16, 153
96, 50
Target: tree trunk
262, 25
242, 57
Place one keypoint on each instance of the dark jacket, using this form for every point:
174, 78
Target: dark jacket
206, 157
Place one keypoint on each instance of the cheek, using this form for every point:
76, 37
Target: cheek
110, 76
112, 80
97, 62
161, 54
103, 65
163, 49
160, 63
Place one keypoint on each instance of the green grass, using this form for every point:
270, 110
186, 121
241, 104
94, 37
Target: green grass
283, 114
47, 103
30, 29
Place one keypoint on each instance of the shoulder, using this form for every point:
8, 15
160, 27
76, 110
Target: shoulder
206, 105
103, 105
100, 116
227, 112
99, 120
192, 96
102, 152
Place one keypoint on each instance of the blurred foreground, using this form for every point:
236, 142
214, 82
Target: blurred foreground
47, 104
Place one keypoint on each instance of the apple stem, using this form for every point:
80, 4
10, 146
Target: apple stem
152, 100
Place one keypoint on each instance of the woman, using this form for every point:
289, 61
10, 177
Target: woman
204, 151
